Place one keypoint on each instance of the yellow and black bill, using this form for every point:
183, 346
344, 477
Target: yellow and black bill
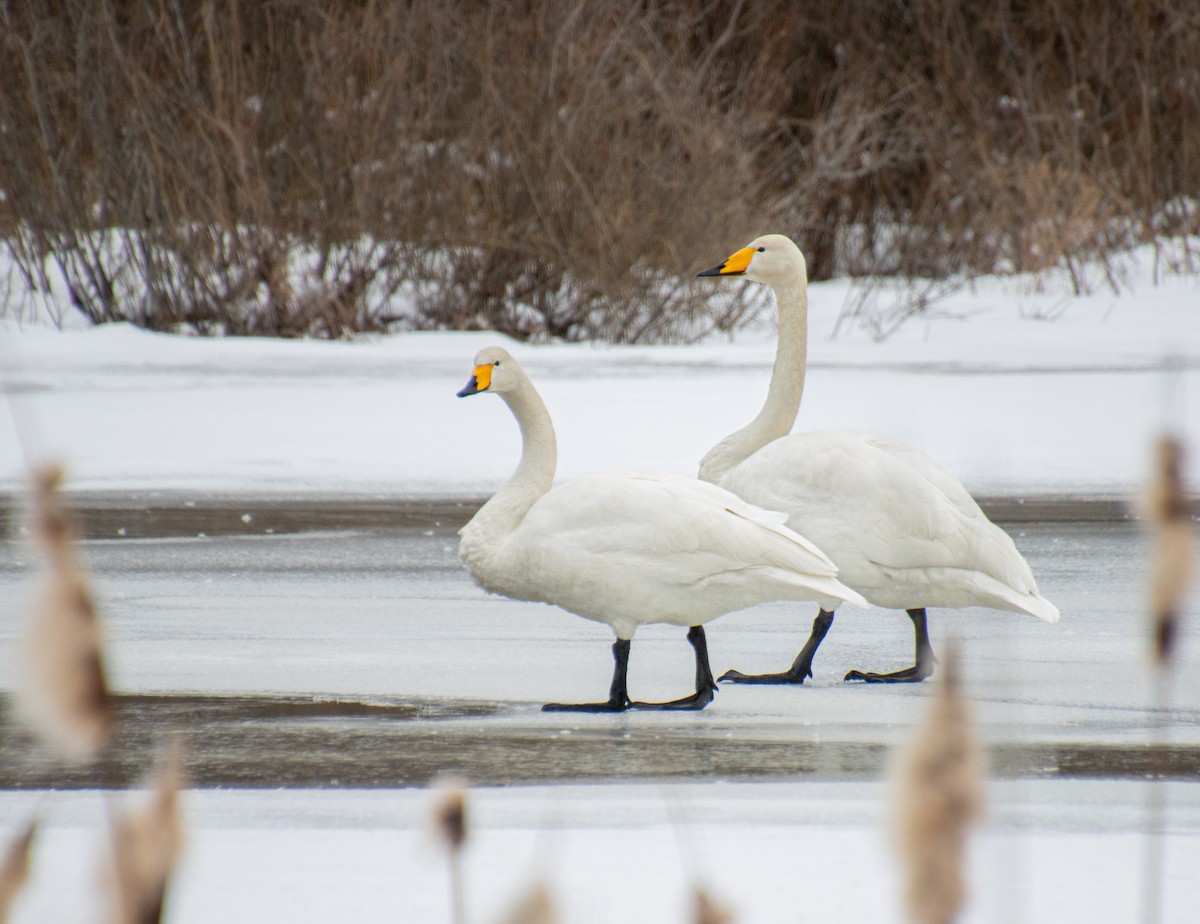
481, 380
735, 265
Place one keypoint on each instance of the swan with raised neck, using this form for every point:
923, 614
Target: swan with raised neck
902, 530
777, 262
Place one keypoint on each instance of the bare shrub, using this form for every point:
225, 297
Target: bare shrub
918, 132
286, 169
560, 169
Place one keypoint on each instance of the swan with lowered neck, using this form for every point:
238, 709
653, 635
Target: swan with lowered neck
629, 548
902, 530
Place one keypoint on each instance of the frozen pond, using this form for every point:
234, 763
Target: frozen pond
326, 661
358, 653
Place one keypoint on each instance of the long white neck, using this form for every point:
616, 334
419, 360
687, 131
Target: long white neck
779, 411
533, 477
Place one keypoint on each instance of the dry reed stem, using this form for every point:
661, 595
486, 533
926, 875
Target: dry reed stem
14, 869
707, 910
940, 793
64, 693
536, 906
145, 845
1168, 510
448, 819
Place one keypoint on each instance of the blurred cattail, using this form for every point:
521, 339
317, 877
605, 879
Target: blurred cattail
14, 869
1168, 511
449, 820
708, 910
449, 817
145, 846
536, 906
63, 692
940, 791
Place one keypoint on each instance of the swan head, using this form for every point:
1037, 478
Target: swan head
495, 371
771, 259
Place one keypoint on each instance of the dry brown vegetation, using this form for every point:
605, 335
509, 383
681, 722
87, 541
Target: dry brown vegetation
561, 169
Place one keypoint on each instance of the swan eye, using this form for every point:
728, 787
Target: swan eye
762, 249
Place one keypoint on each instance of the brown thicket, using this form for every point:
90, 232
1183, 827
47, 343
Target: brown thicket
560, 169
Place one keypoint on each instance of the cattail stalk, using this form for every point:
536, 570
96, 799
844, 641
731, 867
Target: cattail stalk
449, 820
63, 693
940, 790
536, 906
1167, 510
145, 845
707, 910
14, 869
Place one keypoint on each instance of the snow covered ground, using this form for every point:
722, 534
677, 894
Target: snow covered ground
1010, 401
1015, 402
791, 852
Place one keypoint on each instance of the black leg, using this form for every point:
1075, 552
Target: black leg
925, 658
618, 692
801, 667
705, 685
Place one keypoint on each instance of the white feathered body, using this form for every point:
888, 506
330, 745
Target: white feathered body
902, 530
631, 548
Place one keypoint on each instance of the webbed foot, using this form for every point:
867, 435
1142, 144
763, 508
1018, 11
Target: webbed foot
695, 702
914, 674
788, 676
611, 705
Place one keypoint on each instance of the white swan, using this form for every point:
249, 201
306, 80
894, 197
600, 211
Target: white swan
629, 548
902, 530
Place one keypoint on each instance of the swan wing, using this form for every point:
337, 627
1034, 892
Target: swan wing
670, 524
885, 512
668, 541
